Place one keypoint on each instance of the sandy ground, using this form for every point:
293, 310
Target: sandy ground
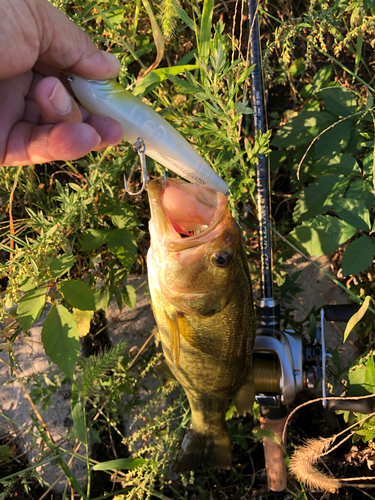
16, 410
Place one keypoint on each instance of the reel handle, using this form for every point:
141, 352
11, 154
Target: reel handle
340, 312
348, 404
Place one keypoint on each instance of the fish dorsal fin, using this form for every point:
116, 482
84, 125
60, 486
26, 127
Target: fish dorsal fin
172, 321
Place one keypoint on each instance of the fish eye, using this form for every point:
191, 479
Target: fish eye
221, 259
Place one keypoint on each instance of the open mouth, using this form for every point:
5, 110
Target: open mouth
191, 209
185, 233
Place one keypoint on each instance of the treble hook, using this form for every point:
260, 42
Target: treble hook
140, 147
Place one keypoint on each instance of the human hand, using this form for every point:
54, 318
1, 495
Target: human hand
39, 120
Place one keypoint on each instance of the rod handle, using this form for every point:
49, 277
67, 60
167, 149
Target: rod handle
274, 454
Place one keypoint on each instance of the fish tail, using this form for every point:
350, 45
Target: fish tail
198, 448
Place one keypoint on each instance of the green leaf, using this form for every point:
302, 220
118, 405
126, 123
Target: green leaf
362, 190
370, 375
336, 164
357, 380
321, 79
185, 86
297, 67
122, 243
358, 256
28, 285
277, 159
30, 307
78, 415
334, 140
354, 212
6, 454
184, 17
356, 317
78, 294
94, 238
101, 298
356, 141
339, 100
120, 463
115, 16
60, 338
243, 108
161, 74
369, 163
313, 199
124, 216
83, 319
367, 434
205, 30
129, 296
322, 235
305, 169
302, 129
95, 436
60, 265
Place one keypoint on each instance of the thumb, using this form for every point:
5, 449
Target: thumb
64, 46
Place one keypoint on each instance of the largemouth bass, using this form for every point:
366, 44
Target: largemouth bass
202, 302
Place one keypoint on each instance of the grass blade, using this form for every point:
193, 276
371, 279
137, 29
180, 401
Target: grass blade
120, 463
205, 30
158, 38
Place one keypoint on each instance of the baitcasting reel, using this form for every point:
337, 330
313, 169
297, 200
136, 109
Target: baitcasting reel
284, 363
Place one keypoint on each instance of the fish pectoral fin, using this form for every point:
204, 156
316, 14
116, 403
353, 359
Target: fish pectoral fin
165, 371
198, 448
174, 331
245, 396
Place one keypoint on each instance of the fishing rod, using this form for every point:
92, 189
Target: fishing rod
283, 363
273, 415
268, 310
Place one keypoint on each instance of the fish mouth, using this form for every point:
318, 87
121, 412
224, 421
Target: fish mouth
185, 214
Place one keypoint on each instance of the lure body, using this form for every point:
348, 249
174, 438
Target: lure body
163, 143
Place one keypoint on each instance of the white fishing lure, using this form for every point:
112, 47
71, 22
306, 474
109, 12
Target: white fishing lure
163, 143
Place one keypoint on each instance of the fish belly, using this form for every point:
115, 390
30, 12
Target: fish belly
214, 365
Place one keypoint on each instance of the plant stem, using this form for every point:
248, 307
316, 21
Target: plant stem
89, 472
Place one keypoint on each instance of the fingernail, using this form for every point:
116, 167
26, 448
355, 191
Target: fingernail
111, 57
60, 99
99, 140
